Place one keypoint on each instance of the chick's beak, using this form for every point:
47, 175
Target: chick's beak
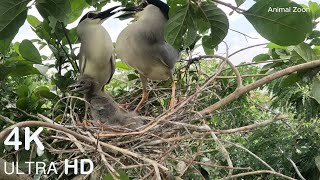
75, 87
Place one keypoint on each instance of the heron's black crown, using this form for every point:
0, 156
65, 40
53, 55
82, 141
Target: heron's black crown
161, 5
90, 15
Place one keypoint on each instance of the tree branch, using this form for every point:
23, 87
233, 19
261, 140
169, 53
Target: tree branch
240, 91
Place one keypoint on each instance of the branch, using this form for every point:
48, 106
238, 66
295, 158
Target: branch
296, 169
238, 10
252, 126
259, 172
242, 76
240, 91
251, 153
223, 150
245, 35
249, 47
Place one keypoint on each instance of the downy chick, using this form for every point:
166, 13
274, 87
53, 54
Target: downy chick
102, 107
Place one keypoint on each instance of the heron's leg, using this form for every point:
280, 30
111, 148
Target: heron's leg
144, 82
173, 100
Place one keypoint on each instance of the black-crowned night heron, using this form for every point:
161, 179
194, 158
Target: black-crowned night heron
102, 107
96, 57
142, 46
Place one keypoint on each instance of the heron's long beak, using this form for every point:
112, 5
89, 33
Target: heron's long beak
130, 11
107, 13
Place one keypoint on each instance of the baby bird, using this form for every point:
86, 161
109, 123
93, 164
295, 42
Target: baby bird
102, 107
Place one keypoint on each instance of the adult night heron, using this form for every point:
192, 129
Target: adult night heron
96, 57
142, 46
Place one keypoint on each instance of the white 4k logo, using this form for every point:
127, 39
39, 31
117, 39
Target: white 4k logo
28, 138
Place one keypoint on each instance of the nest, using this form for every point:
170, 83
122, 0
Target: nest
172, 145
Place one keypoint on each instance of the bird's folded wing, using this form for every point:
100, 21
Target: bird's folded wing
113, 66
82, 61
167, 54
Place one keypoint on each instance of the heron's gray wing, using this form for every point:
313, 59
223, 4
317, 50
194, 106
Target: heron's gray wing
167, 54
113, 66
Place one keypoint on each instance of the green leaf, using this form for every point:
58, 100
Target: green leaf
122, 65
176, 27
4, 71
123, 176
132, 77
77, 8
33, 21
206, 45
240, 2
63, 82
317, 161
5, 44
305, 52
315, 9
98, 4
13, 13
22, 103
315, 90
44, 92
261, 57
218, 21
290, 80
283, 28
52, 23
29, 52
59, 9
23, 91
273, 45
22, 68
191, 34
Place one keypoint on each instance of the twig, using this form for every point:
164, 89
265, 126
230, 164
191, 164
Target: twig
252, 126
213, 165
112, 171
296, 169
242, 76
251, 153
249, 47
238, 10
223, 150
245, 35
259, 172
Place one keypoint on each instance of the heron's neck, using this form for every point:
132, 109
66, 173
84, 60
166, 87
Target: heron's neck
152, 19
87, 31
